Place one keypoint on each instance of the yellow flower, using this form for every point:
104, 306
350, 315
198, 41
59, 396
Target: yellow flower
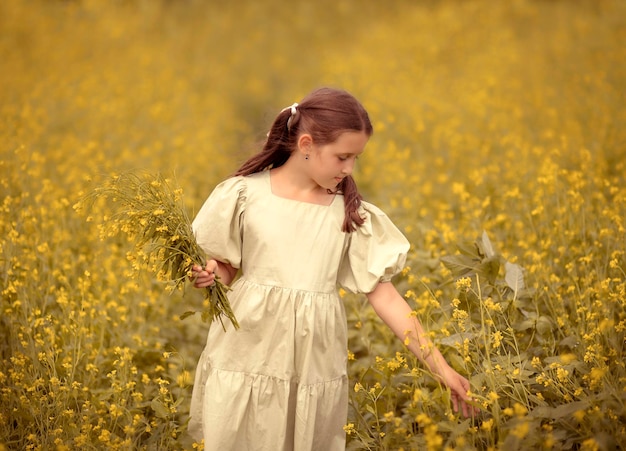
183, 379
590, 445
433, 439
536, 362
463, 284
487, 425
562, 374
567, 358
595, 377
490, 305
423, 419
521, 429
497, 339
520, 409
579, 415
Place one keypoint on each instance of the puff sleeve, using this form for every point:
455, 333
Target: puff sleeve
218, 226
375, 252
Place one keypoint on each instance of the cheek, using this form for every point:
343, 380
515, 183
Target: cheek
326, 161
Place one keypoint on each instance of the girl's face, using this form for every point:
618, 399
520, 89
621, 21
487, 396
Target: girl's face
330, 163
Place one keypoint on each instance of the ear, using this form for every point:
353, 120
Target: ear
305, 143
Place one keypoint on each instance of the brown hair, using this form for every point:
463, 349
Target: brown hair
325, 114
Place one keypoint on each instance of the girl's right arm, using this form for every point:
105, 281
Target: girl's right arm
205, 277
398, 315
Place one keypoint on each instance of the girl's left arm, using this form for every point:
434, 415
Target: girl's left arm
391, 307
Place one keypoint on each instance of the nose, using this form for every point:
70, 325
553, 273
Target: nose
348, 167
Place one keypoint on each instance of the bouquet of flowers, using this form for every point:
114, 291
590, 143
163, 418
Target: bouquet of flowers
151, 213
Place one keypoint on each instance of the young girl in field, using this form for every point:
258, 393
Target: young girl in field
293, 223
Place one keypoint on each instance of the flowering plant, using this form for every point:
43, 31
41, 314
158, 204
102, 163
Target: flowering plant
151, 213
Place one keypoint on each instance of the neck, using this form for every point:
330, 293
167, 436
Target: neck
292, 182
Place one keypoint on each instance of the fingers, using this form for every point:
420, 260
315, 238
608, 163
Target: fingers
466, 408
461, 400
467, 401
455, 403
460, 405
211, 266
204, 277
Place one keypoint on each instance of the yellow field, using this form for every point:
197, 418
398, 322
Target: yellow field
500, 117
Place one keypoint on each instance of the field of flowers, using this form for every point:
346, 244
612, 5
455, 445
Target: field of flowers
499, 148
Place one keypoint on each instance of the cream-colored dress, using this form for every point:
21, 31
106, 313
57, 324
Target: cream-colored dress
280, 381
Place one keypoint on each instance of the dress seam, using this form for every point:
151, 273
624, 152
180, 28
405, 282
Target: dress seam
303, 290
296, 380
335, 379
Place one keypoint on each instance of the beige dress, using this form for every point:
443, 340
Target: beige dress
280, 381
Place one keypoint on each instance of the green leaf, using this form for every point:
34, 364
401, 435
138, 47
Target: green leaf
525, 306
160, 409
524, 325
570, 342
561, 411
544, 325
187, 314
489, 269
514, 276
485, 244
468, 249
457, 339
459, 265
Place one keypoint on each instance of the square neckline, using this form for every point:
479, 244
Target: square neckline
289, 199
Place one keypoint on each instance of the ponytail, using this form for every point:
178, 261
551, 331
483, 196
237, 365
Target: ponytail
352, 202
276, 150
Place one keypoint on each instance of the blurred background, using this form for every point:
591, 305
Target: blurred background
194, 84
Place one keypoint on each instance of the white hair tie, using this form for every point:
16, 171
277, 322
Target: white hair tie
293, 113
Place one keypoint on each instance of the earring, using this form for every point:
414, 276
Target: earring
306, 157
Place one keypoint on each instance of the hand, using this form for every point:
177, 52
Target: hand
204, 277
459, 387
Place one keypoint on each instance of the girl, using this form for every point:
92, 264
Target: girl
292, 221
